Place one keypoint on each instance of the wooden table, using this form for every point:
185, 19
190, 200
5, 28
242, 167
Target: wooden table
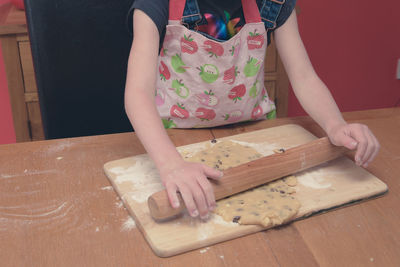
57, 208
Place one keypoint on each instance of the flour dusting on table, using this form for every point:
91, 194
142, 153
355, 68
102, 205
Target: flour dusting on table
264, 149
143, 176
110, 188
315, 177
128, 225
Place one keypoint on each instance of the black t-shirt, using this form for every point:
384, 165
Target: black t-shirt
221, 19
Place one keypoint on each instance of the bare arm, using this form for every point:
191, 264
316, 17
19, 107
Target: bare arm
315, 97
140, 90
177, 175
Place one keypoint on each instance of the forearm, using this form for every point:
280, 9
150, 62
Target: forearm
144, 117
318, 102
139, 93
316, 99
312, 93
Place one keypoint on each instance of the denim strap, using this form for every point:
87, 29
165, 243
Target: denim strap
269, 12
191, 13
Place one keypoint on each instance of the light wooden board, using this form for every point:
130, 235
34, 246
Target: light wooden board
327, 186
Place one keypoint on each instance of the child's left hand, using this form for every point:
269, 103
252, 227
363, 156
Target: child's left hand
356, 136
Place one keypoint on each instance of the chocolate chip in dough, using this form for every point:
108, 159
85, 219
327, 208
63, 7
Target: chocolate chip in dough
213, 141
236, 219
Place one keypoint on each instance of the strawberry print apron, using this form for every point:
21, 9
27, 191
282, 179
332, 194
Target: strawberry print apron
204, 82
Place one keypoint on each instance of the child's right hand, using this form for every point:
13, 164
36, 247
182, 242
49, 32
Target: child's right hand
190, 179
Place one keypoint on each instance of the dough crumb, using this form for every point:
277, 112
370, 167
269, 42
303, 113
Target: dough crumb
279, 151
290, 180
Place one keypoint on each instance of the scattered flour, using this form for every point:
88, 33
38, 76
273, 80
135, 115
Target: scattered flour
221, 256
314, 179
204, 250
97, 229
38, 215
217, 219
59, 146
27, 172
203, 229
107, 188
119, 204
143, 176
128, 225
59, 158
264, 149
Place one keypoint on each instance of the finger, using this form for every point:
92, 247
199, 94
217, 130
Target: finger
377, 148
211, 172
348, 142
199, 199
208, 192
370, 148
358, 134
172, 196
188, 199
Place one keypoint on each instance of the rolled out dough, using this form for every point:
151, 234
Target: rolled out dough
266, 205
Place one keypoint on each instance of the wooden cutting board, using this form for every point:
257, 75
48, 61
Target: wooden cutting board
325, 187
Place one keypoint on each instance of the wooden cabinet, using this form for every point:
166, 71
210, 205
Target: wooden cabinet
276, 81
22, 85
20, 74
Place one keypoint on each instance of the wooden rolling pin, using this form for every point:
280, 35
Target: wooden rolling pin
254, 173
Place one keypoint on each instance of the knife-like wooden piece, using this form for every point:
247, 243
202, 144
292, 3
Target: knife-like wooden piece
254, 173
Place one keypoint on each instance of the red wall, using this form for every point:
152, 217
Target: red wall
7, 134
354, 47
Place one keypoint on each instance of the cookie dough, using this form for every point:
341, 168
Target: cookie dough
225, 154
267, 205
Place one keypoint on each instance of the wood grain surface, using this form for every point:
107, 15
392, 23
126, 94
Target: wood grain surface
329, 185
56, 208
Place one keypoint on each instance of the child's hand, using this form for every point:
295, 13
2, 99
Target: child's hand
190, 179
356, 136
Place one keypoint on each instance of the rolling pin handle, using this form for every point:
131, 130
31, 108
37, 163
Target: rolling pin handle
160, 208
